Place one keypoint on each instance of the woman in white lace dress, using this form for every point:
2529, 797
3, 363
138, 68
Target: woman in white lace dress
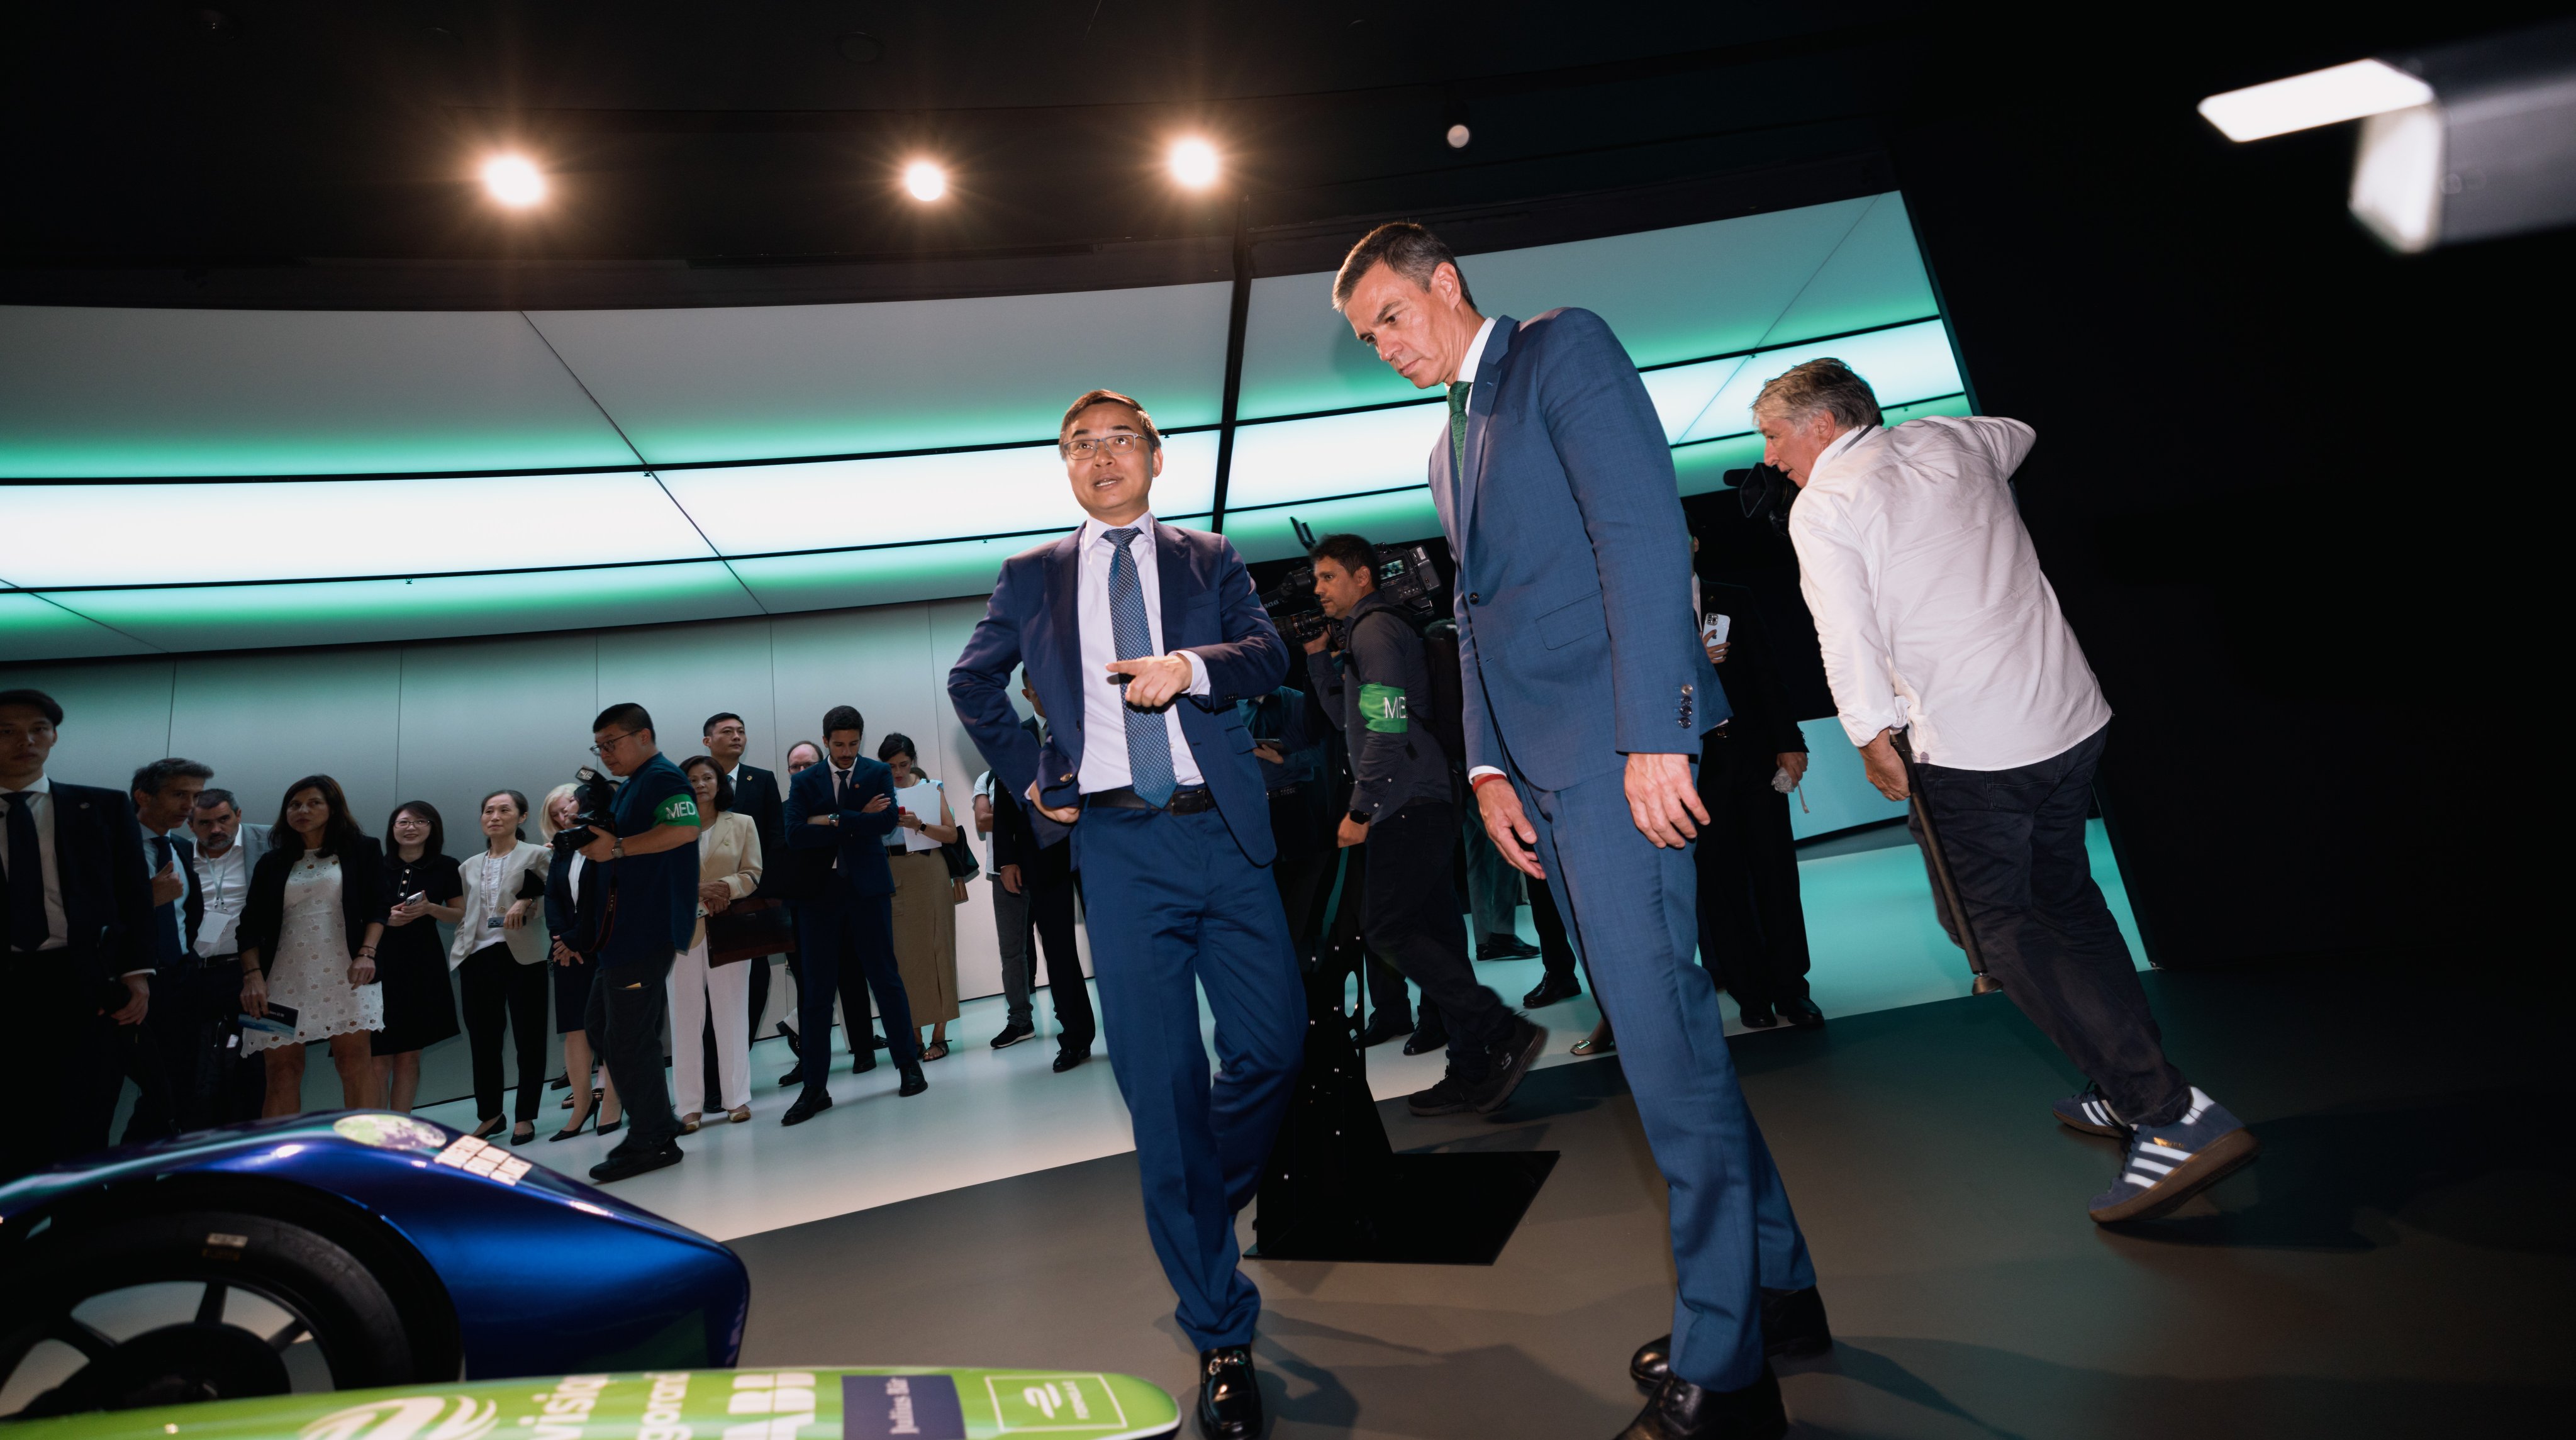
314, 914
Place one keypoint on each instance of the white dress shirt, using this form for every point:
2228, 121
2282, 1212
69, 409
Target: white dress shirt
40, 808
225, 881
1104, 704
1929, 602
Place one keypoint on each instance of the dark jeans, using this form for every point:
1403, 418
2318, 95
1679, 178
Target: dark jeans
1303, 869
2015, 842
1752, 928
499, 991
1413, 920
627, 1005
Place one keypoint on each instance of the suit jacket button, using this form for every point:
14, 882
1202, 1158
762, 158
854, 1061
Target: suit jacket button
1475, 599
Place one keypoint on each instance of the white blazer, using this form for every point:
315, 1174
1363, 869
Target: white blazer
528, 943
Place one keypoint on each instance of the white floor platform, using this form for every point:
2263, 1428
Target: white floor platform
992, 1114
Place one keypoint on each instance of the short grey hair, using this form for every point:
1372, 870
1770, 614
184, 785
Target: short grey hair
1405, 248
1826, 385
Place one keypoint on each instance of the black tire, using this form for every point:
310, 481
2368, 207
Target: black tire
327, 1291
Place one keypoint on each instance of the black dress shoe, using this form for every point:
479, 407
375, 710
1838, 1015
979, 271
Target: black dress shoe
912, 1084
1803, 1014
862, 1064
1427, 1038
1384, 1026
792, 1077
1756, 1016
1229, 1394
1067, 1059
1793, 1324
630, 1162
795, 1042
1551, 990
1504, 947
879, 1042
813, 1102
1013, 1034
1679, 1410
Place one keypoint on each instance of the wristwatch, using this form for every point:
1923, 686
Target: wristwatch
617, 847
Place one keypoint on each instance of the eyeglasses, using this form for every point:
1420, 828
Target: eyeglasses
1122, 443
613, 742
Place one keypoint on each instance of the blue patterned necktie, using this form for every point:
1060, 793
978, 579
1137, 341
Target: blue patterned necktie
1459, 390
1149, 741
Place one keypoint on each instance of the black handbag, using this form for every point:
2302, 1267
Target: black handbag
961, 857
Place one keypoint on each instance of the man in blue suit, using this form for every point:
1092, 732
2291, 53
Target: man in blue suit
1139, 638
838, 815
1585, 693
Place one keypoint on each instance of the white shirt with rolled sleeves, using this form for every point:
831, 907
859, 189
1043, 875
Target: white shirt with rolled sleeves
1930, 606
1104, 705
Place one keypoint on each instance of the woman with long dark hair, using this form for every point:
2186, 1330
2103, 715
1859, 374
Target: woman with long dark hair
572, 912
728, 870
308, 936
422, 887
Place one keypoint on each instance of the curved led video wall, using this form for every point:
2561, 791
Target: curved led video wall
178, 480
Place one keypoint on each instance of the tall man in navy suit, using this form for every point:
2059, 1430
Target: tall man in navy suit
1586, 692
838, 815
1139, 638
76, 925
177, 1047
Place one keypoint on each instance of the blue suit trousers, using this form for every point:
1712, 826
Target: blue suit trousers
1170, 900
834, 935
1632, 908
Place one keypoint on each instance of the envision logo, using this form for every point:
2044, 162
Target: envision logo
414, 1417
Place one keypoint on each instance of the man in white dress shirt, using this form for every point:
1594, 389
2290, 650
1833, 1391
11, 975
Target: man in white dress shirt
1940, 634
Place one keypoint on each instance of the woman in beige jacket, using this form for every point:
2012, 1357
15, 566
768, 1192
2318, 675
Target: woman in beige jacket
728, 870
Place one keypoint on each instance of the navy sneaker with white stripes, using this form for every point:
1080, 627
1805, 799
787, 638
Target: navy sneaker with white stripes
2169, 1164
2090, 1113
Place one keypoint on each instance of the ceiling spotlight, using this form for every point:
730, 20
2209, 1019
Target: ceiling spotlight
1459, 135
2320, 97
514, 180
1193, 163
925, 180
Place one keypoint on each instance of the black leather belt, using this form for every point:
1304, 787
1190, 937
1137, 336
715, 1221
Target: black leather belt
1183, 802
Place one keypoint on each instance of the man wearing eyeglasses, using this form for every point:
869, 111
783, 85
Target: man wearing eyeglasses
652, 868
1139, 638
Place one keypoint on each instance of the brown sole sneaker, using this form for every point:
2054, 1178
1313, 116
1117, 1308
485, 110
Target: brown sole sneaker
2210, 1164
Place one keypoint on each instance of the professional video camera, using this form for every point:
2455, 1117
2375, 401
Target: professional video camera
1405, 575
598, 797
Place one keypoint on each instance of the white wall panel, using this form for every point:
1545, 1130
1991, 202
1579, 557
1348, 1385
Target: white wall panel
782, 380
88, 390
485, 715
115, 717
265, 720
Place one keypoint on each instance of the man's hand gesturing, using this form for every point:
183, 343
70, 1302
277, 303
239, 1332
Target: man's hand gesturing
1157, 679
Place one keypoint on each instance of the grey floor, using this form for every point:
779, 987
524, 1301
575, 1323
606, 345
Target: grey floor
2399, 1263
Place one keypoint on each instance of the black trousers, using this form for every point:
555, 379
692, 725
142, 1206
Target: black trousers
1051, 894
2015, 842
185, 1058
1752, 925
628, 1005
65, 1061
499, 993
1556, 948
841, 937
1413, 920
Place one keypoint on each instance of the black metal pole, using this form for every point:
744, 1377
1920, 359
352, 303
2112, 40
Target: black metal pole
1985, 984
1237, 317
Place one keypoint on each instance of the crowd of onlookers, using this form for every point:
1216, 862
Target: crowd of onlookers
202, 952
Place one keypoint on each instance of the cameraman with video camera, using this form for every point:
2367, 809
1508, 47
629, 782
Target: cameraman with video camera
649, 856
1403, 807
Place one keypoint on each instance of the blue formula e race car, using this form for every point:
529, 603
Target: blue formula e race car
337, 1252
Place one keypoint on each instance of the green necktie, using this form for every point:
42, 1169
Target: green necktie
1458, 390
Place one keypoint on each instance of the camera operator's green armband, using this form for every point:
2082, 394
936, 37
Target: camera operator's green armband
1384, 708
681, 809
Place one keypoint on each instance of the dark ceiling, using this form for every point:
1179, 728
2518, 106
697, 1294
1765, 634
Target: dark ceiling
322, 153
159, 151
